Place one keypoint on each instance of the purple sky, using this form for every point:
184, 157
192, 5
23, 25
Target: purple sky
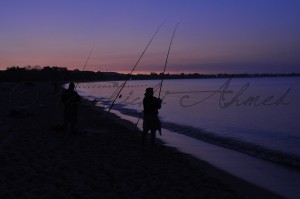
214, 36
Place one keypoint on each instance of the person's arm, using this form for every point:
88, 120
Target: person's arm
78, 98
63, 97
158, 103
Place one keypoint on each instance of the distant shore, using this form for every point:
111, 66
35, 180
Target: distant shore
104, 159
62, 74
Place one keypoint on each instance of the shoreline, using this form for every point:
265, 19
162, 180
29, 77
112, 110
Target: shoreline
105, 160
291, 161
273, 177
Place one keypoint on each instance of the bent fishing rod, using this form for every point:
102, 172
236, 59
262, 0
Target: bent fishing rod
83, 66
164, 67
163, 74
123, 85
87, 60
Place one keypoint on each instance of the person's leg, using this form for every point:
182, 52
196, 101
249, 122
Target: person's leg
73, 122
67, 120
144, 135
153, 135
72, 127
65, 124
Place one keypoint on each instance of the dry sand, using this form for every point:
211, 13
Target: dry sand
105, 160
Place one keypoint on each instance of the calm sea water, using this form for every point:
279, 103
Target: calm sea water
262, 113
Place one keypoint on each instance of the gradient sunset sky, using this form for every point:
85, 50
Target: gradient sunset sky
214, 36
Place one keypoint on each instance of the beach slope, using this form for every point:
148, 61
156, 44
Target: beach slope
104, 159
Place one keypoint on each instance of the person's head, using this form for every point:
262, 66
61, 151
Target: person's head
149, 91
71, 86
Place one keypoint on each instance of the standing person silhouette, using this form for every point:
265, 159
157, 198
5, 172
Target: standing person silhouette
70, 99
151, 121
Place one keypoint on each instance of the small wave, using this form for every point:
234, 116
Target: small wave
252, 149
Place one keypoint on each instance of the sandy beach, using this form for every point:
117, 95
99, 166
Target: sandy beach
104, 160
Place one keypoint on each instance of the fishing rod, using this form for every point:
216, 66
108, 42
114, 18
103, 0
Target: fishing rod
88, 58
164, 67
163, 74
83, 67
123, 85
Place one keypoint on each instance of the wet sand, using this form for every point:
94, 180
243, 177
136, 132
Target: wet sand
104, 160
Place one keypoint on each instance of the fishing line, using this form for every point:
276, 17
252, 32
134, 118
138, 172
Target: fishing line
123, 85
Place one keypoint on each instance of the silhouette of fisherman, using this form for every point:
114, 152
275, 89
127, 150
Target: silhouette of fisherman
151, 120
70, 99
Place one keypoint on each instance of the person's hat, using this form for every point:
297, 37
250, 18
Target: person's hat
71, 86
149, 90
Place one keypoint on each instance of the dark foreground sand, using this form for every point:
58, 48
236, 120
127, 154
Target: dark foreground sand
105, 160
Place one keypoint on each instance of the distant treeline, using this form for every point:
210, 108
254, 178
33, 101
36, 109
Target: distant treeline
47, 73
62, 74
